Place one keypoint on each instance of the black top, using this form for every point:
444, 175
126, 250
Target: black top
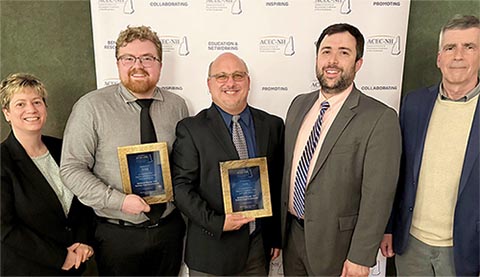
35, 231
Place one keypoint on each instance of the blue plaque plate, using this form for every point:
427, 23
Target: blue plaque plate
245, 186
145, 171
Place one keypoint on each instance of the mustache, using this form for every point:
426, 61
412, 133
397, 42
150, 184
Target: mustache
229, 87
138, 70
332, 67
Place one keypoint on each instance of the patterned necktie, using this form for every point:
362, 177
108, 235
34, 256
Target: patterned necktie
304, 163
241, 145
239, 138
147, 135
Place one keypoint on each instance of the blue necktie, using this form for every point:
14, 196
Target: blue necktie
304, 164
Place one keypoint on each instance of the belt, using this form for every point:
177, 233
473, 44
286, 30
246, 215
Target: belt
123, 223
300, 221
152, 223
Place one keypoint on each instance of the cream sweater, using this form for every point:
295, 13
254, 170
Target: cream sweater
440, 172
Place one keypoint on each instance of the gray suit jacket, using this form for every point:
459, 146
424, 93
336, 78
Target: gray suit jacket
351, 190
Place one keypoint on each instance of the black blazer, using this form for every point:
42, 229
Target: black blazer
202, 142
35, 231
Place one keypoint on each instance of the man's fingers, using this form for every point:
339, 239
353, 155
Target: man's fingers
147, 207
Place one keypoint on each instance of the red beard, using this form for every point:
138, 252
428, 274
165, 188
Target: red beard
139, 86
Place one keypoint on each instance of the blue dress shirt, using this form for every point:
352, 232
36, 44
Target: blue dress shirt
248, 128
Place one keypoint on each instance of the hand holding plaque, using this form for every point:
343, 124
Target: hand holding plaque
246, 188
145, 171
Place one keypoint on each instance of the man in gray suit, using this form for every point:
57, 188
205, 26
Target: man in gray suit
342, 156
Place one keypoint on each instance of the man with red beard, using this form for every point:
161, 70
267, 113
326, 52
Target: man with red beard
342, 157
133, 238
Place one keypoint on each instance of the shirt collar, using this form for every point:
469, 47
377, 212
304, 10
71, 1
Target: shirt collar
128, 97
337, 98
245, 115
471, 94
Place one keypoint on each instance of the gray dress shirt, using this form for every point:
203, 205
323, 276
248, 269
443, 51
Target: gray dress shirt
101, 121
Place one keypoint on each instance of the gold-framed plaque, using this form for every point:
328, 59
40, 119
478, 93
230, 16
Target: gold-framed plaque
246, 188
145, 171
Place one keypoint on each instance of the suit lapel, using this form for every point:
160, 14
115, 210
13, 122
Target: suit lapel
219, 130
299, 108
298, 116
423, 119
472, 152
341, 121
37, 181
262, 135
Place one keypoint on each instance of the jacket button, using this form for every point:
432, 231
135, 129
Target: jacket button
68, 229
410, 209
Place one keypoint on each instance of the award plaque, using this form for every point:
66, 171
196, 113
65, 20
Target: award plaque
245, 187
145, 171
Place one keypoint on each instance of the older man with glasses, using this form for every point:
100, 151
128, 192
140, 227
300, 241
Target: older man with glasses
220, 243
133, 237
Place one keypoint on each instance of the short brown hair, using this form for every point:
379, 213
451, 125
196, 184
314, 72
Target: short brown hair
344, 27
142, 33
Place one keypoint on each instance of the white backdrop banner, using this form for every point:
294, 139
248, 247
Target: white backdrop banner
276, 38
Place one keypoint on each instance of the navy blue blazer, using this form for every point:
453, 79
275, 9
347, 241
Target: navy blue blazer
34, 229
415, 115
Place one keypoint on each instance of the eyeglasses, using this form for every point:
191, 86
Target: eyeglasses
223, 77
129, 60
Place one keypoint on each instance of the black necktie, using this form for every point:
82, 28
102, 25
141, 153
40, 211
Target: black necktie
147, 130
147, 135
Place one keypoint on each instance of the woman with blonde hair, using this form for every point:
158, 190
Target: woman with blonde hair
45, 230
